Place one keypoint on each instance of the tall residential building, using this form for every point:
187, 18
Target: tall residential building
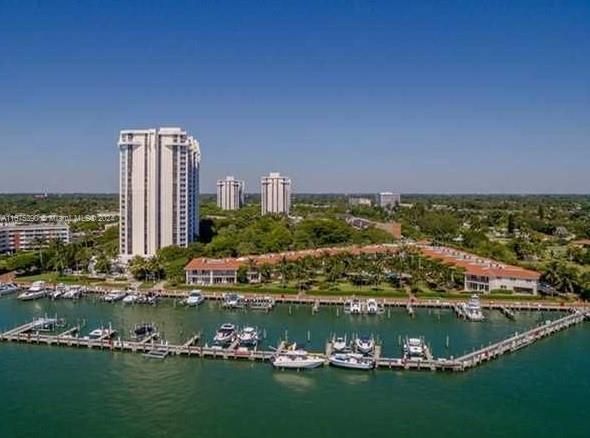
230, 193
275, 194
159, 190
389, 199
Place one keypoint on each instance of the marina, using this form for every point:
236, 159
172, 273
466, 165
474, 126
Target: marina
245, 343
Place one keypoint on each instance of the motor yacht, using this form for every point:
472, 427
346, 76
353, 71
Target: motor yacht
364, 344
297, 359
472, 309
8, 288
352, 360
414, 348
194, 298
56, 293
248, 337
36, 291
225, 334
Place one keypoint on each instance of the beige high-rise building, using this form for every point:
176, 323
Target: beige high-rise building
230, 193
275, 194
159, 190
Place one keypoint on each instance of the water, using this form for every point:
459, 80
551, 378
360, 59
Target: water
539, 391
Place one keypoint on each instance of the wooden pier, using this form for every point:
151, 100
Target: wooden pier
29, 333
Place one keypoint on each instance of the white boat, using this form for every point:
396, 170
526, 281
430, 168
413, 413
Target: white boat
356, 307
472, 309
353, 306
364, 344
36, 291
260, 303
148, 298
225, 334
339, 344
8, 288
130, 299
352, 360
297, 359
56, 293
116, 295
233, 301
102, 333
414, 348
72, 293
248, 337
194, 298
373, 307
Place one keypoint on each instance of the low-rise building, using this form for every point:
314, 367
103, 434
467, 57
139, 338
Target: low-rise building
17, 237
485, 275
357, 201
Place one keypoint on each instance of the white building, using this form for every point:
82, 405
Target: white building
230, 193
389, 199
17, 237
275, 194
159, 190
359, 202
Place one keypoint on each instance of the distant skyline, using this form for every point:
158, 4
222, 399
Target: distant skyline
342, 97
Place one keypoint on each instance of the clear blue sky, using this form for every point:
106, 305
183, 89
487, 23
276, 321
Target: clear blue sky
415, 96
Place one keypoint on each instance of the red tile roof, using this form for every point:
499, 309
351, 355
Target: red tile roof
476, 265
205, 264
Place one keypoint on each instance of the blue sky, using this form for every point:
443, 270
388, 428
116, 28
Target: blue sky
424, 96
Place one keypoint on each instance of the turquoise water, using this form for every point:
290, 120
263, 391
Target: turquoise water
539, 391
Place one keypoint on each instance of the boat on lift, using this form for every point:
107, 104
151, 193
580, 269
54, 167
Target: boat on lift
143, 330
130, 299
58, 292
356, 307
339, 344
373, 307
352, 361
364, 344
102, 333
72, 293
37, 290
472, 309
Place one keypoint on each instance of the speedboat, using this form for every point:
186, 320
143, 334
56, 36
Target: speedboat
352, 360
148, 298
233, 301
36, 291
414, 348
248, 337
195, 298
472, 309
225, 334
364, 344
297, 359
116, 295
356, 307
373, 307
130, 299
339, 344
72, 293
102, 333
8, 288
143, 330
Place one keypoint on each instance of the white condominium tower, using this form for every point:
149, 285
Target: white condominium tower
389, 199
275, 194
159, 190
230, 193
